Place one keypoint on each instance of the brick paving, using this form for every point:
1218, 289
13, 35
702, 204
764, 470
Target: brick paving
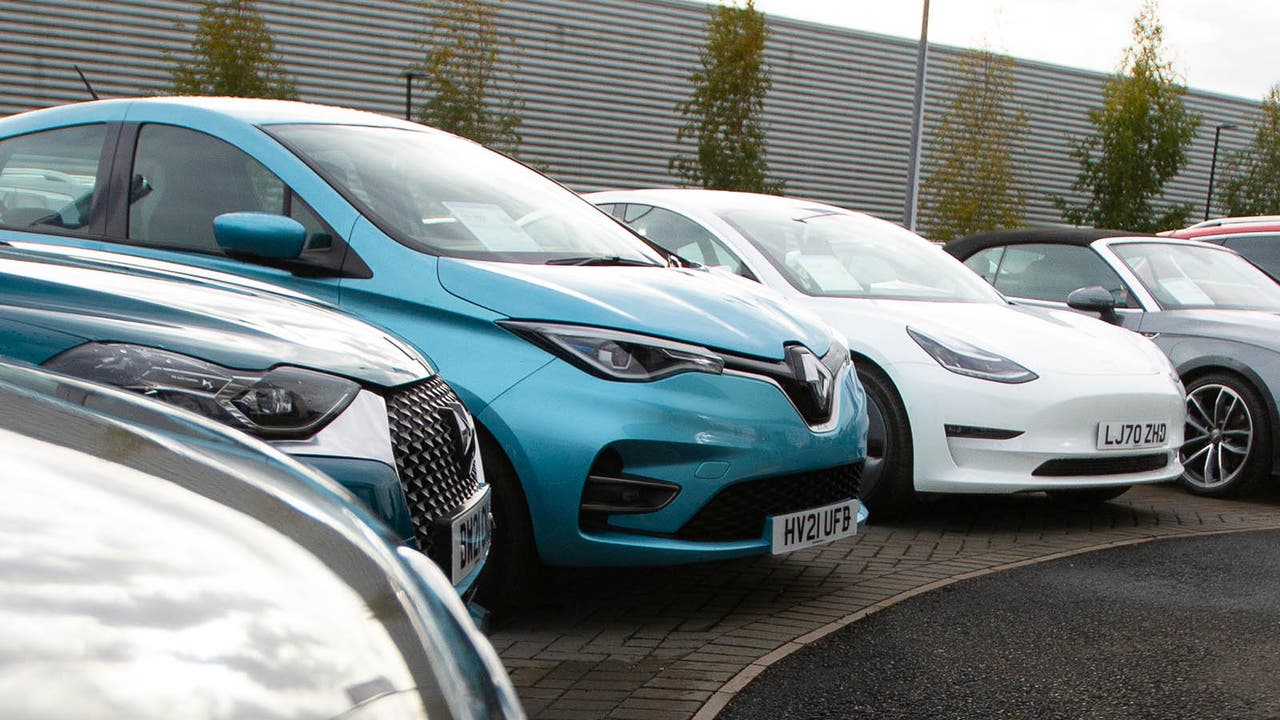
677, 643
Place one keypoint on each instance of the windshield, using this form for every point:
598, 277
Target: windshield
833, 253
447, 196
1181, 277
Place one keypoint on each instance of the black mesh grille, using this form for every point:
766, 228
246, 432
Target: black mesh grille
739, 511
1074, 467
435, 467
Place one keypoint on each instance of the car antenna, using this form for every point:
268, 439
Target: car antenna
85, 80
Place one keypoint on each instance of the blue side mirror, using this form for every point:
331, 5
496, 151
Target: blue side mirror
259, 234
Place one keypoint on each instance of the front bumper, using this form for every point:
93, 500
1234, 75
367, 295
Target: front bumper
1058, 417
703, 433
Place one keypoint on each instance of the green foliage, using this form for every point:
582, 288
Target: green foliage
1140, 141
232, 54
972, 184
1252, 185
723, 113
461, 76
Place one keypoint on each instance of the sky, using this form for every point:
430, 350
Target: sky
1224, 46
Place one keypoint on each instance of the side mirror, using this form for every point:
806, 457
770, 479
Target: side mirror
1094, 298
259, 235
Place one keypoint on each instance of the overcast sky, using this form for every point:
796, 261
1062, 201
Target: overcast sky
1224, 46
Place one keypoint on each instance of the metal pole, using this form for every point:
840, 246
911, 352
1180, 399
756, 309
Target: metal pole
917, 120
408, 95
1213, 165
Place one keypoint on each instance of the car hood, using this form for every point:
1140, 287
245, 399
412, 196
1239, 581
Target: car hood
1044, 341
1254, 327
694, 306
232, 325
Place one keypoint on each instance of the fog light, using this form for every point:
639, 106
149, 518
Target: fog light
613, 495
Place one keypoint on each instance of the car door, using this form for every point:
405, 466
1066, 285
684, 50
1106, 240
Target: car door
175, 180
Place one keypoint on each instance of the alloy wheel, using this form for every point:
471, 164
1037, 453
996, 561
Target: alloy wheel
1219, 436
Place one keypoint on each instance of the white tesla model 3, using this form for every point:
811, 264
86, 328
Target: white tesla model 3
969, 393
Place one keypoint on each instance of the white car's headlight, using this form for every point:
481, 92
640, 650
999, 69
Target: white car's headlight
279, 403
963, 358
617, 355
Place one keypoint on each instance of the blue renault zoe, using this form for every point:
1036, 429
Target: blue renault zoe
630, 411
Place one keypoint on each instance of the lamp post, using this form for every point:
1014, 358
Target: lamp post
917, 119
408, 76
1213, 164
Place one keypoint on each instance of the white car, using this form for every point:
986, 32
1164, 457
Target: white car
969, 393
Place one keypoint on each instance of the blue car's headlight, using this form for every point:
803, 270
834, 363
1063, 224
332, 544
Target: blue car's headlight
617, 355
962, 358
278, 403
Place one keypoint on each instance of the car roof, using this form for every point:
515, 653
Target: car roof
1083, 237
1254, 225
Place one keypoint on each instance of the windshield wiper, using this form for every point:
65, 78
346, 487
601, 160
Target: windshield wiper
601, 260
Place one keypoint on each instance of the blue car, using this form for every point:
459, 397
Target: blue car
335, 392
629, 412
158, 565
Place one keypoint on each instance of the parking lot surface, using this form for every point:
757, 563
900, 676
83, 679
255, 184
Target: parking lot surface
673, 643
1178, 630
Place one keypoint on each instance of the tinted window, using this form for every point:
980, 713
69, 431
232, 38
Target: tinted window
183, 179
47, 179
1051, 272
986, 263
1261, 250
678, 234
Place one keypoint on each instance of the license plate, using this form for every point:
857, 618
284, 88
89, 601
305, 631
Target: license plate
816, 526
470, 536
1131, 435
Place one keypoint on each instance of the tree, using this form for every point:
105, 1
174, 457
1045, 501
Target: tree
1140, 141
972, 186
461, 76
1252, 185
723, 113
232, 54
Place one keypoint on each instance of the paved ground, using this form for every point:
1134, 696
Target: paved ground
680, 642
1184, 629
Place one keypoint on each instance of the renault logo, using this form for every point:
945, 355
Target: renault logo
809, 370
462, 421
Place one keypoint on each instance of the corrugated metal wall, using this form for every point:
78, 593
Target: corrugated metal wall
601, 79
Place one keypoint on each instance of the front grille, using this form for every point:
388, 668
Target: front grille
738, 512
432, 455
1075, 467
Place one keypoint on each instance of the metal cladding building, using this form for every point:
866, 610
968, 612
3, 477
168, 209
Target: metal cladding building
601, 80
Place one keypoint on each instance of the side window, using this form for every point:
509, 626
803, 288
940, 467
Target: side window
183, 179
986, 263
1051, 272
47, 179
1261, 250
678, 234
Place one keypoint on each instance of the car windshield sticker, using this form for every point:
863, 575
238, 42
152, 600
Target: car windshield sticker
828, 272
493, 227
1185, 291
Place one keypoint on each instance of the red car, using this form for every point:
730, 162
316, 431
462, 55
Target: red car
1257, 238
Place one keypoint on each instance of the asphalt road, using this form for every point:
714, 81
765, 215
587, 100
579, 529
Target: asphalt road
1172, 629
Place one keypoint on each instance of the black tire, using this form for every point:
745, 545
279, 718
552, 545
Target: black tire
510, 574
1226, 448
887, 487
1087, 497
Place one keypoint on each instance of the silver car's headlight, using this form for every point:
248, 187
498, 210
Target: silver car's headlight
963, 358
279, 403
617, 355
